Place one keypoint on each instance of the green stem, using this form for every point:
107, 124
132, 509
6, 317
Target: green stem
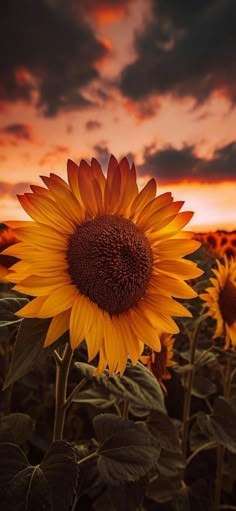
208, 445
125, 411
89, 457
62, 371
74, 392
221, 449
188, 390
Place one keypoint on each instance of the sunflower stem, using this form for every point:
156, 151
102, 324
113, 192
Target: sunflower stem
208, 445
188, 390
221, 449
62, 372
75, 391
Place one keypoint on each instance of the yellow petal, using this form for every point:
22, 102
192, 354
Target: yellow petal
31, 309
59, 300
80, 320
58, 326
145, 196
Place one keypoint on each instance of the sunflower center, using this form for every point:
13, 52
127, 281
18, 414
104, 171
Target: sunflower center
227, 302
110, 261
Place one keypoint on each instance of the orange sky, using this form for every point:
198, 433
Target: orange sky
118, 122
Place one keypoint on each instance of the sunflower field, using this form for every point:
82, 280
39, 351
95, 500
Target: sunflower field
117, 350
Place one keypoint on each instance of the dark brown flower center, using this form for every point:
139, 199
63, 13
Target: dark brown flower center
110, 261
227, 302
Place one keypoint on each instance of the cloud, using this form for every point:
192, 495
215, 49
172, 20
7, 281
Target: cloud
54, 155
12, 189
18, 131
93, 125
48, 54
102, 154
186, 49
171, 165
106, 11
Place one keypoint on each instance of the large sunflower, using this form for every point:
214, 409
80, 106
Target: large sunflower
103, 260
220, 299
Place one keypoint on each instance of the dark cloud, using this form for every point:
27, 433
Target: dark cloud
48, 54
18, 131
187, 49
102, 154
93, 125
171, 165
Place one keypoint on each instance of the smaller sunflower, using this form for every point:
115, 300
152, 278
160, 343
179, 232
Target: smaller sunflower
158, 362
7, 239
220, 299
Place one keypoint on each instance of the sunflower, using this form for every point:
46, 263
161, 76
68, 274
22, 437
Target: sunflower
158, 362
7, 238
103, 260
220, 299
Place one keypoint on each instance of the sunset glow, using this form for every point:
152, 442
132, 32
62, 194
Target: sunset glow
100, 89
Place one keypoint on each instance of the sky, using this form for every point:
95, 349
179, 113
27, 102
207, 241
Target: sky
152, 80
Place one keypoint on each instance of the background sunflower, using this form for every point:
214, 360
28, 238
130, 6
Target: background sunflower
220, 299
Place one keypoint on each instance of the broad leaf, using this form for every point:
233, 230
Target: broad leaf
16, 428
171, 464
220, 426
48, 486
126, 451
163, 489
28, 349
164, 430
8, 307
202, 386
138, 386
128, 496
61, 472
97, 397
22, 486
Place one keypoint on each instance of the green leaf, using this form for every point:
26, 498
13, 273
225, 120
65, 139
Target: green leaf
48, 486
126, 451
128, 496
28, 350
97, 397
138, 386
205, 357
16, 428
163, 489
164, 430
220, 426
60, 469
22, 486
203, 387
197, 437
182, 369
8, 307
171, 464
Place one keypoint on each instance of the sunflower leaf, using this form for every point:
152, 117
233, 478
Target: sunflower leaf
163, 429
138, 386
28, 349
8, 307
50, 485
15, 428
203, 386
126, 451
220, 426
